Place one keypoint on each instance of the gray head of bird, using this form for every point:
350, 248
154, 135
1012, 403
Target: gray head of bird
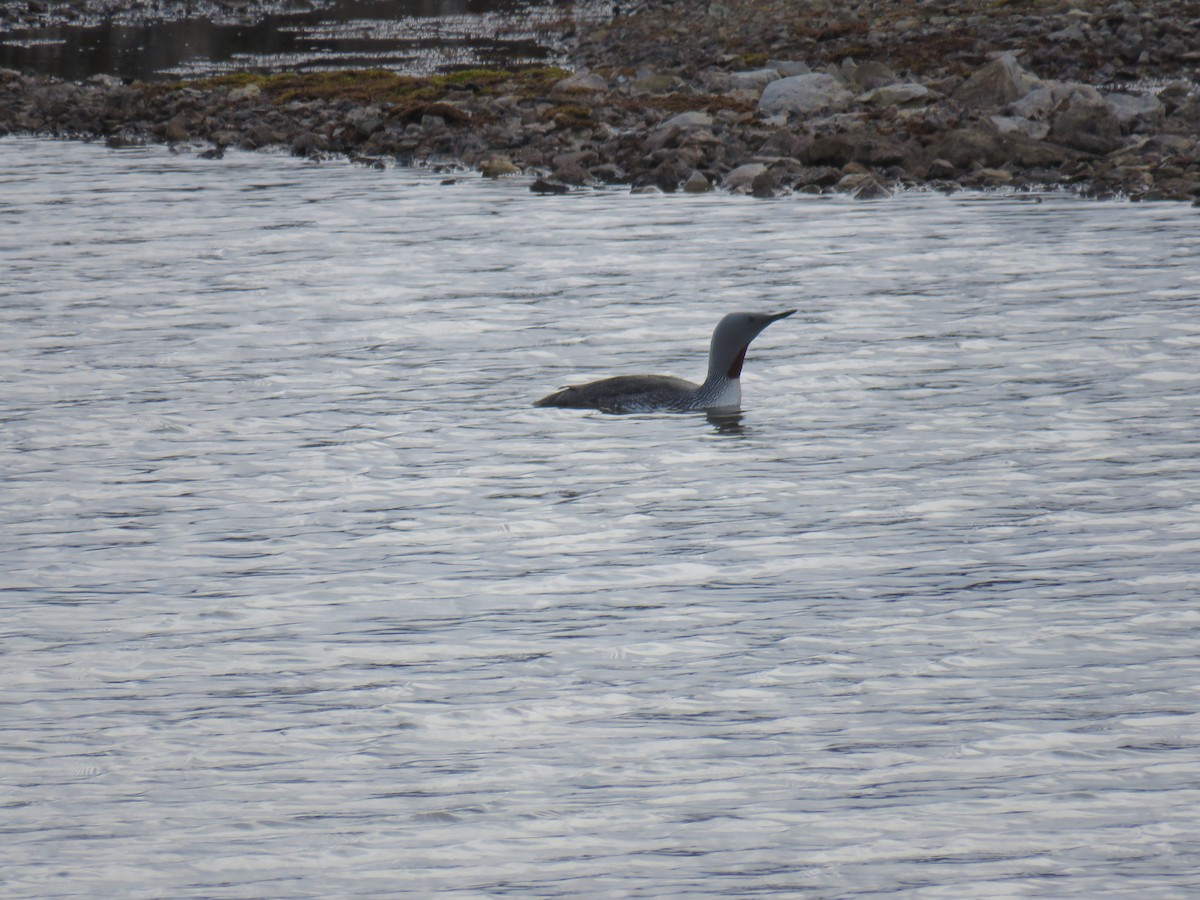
731, 339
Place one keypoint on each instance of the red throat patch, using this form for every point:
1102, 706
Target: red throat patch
735, 370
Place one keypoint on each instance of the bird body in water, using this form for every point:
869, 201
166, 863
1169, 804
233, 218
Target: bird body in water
721, 390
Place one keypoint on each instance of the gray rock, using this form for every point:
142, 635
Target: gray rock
1072, 34
804, 94
1087, 127
742, 177
1020, 125
691, 119
863, 146
765, 185
908, 94
662, 136
543, 186
581, 158
365, 120
608, 173
788, 67
864, 186
962, 148
260, 135
580, 83
307, 143
782, 143
657, 84
1136, 111
754, 79
1174, 95
868, 75
1073, 92
1037, 104
1000, 82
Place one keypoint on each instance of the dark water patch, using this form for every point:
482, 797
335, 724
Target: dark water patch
414, 36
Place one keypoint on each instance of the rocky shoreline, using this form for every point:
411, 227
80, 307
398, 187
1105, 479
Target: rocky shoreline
752, 97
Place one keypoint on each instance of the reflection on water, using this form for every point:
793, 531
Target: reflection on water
302, 597
415, 36
726, 423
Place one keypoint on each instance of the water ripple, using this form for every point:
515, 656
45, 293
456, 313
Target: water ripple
302, 598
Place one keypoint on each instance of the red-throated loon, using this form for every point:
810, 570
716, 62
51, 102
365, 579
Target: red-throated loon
722, 389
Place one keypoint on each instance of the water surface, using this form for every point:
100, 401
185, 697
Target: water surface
301, 598
170, 40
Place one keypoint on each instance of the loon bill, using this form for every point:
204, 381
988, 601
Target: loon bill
722, 389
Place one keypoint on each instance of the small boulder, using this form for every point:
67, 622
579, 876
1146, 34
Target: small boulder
765, 185
542, 186
1037, 104
1136, 112
365, 120
743, 176
175, 131
752, 80
1087, 127
1000, 82
864, 186
1020, 125
696, 184
909, 94
962, 148
804, 94
782, 143
246, 92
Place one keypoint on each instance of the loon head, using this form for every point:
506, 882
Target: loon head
731, 339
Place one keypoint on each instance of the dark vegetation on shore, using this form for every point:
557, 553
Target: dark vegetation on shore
756, 97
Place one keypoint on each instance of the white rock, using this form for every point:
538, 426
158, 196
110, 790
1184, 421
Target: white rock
804, 94
905, 94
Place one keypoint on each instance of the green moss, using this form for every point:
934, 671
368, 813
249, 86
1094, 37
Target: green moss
382, 86
752, 60
570, 115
